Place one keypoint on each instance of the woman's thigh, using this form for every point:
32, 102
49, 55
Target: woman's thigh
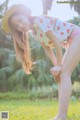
72, 57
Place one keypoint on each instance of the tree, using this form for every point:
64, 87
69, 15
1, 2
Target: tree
76, 5
46, 5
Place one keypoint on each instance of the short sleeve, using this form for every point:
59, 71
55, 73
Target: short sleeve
41, 26
45, 23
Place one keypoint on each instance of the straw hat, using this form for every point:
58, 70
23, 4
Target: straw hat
19, 8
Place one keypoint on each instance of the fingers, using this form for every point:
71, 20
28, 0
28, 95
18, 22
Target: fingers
57, 79
56, 75
55, 71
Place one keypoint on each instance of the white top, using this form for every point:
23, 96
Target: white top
44, 23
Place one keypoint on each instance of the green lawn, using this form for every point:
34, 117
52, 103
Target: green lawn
37, 110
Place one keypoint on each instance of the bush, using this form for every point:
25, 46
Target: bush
44, 92
76, 89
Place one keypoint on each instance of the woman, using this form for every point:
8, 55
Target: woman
51, 33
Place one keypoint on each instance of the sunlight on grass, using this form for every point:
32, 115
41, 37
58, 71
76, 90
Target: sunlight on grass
37, 110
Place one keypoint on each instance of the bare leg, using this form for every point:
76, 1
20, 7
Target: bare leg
72, 58
64, 95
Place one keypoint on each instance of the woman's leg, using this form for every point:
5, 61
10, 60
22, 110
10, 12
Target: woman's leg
72, 58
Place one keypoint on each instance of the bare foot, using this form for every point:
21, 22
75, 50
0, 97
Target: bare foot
58, 118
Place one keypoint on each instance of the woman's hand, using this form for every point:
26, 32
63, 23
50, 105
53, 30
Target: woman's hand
57, 78
55, 71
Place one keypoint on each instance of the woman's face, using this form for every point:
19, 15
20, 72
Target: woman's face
20, 23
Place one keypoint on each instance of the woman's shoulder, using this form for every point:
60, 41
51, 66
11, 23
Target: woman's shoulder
44, 17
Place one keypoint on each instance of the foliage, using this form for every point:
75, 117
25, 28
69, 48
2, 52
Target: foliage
44, 92
76, 89
12, 76
76, 5
75, 20
46, 5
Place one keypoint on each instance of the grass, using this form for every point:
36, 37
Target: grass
37, 110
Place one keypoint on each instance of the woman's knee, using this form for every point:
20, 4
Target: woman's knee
65, 74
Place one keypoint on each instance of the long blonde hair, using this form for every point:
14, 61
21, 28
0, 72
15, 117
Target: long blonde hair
23, 50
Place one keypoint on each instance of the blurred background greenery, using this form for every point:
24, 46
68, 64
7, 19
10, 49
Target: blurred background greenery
39, 84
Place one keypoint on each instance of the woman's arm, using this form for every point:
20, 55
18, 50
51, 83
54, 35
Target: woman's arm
49, 52
64, 56
51, 35
52, 57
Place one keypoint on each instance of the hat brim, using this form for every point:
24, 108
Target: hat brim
15, 8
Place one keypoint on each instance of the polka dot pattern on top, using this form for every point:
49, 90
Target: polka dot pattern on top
61, 29
42, 38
